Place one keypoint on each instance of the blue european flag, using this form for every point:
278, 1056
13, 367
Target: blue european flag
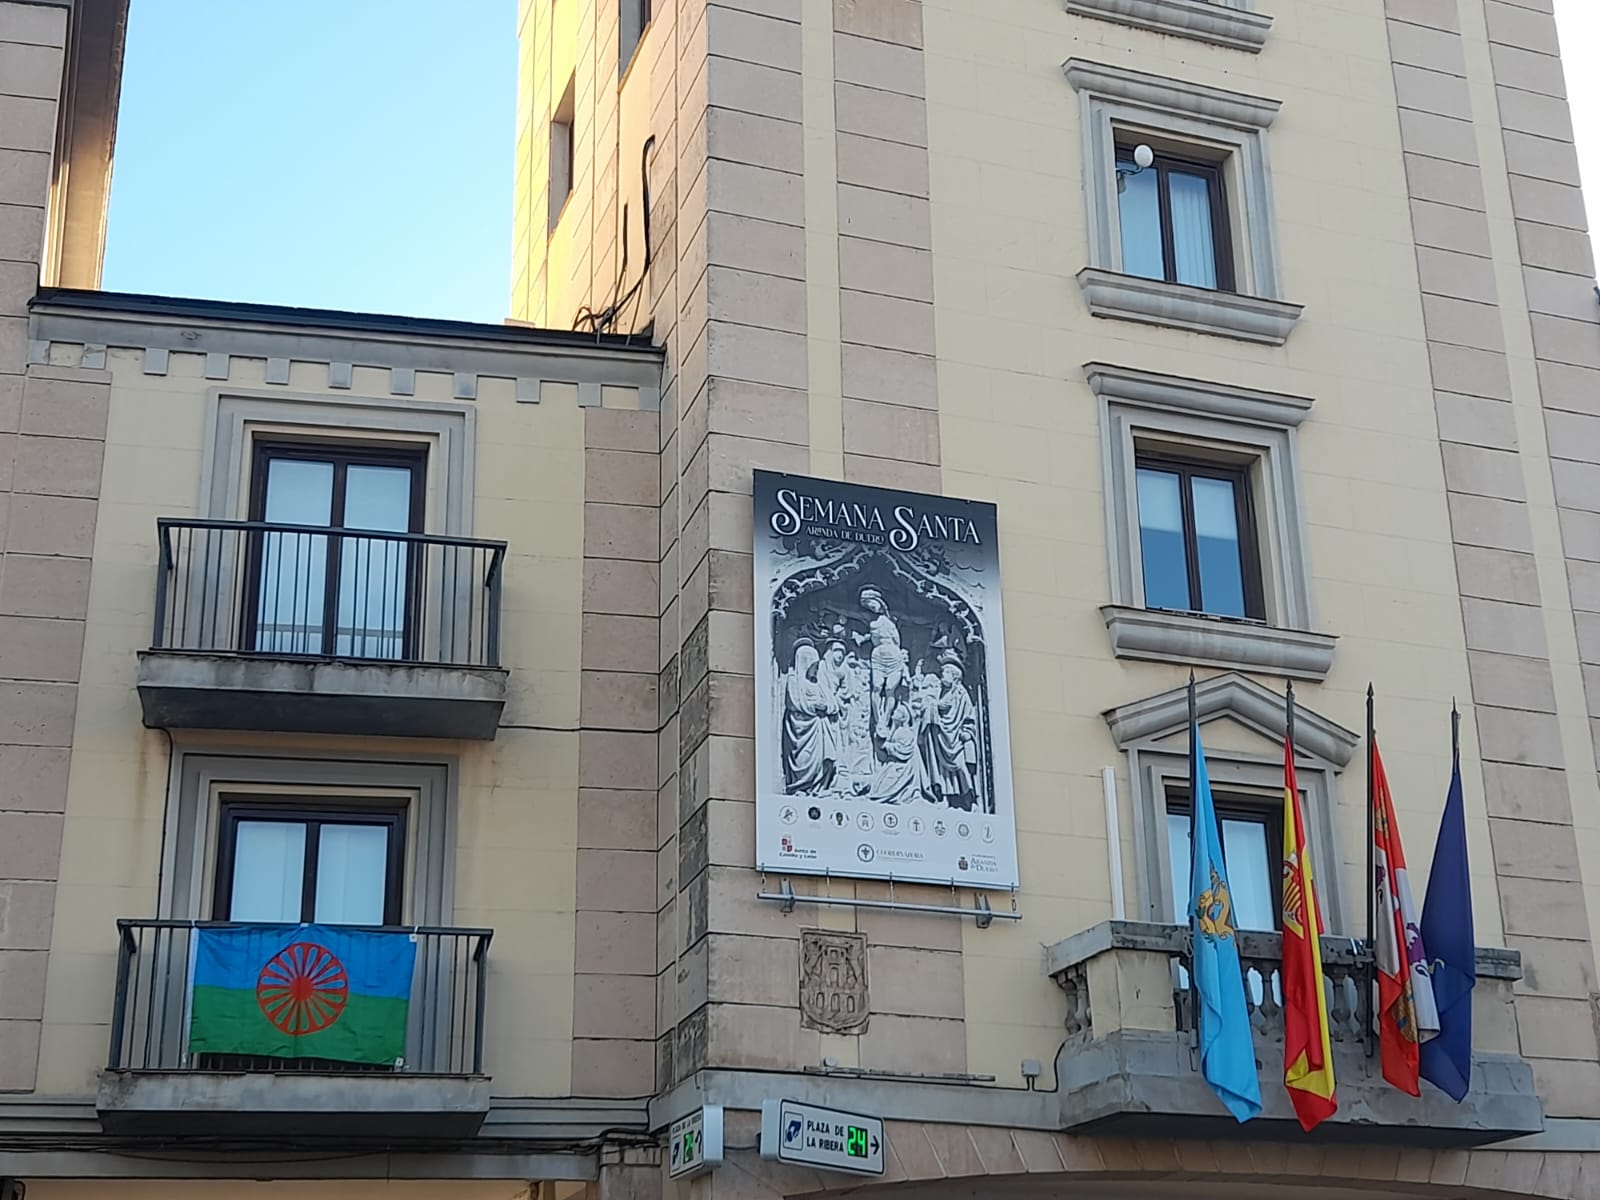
1446, 1060
1227, 1050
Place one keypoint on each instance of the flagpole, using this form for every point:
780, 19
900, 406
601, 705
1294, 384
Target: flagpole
1370, 974
1194, 809
1455, 730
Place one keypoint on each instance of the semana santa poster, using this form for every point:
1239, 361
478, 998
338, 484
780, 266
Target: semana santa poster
882, 747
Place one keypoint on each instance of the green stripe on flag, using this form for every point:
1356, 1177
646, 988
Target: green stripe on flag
371, 1029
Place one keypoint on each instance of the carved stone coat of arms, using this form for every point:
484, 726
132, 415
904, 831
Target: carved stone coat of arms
833, 981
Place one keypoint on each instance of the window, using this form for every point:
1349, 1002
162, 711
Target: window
562, 160
632, 18
1252, 848
1174, 221
290, 863
1203, 530
1197, 538
343, 788
1188, 243
1242, 723
350, 597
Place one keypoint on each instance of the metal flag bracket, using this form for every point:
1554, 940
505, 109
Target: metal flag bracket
981, 911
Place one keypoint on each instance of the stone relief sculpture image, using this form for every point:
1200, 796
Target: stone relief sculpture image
881, 730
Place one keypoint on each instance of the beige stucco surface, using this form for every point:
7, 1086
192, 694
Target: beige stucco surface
1020, 427
516, 824
1008, 417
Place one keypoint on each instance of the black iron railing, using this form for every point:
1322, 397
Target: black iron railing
306, 591
150, 1011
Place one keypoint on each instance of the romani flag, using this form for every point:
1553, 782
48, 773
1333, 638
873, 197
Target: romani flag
302, 991
1407, 1015
1307, 1055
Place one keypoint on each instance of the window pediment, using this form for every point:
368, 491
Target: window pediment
1146, 723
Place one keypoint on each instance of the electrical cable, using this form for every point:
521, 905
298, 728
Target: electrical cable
605, 321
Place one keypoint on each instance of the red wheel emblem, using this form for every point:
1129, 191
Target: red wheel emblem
303, 989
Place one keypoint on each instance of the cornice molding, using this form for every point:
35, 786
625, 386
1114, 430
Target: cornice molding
1180, 306
1202, 397
1199, 20
1166, 95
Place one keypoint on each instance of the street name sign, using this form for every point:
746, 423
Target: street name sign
694, 1143
824, 1138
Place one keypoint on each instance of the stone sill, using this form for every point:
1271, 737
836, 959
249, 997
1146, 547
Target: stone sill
1154, 635
264, 1104
195, 690
1179, 306
1199, 20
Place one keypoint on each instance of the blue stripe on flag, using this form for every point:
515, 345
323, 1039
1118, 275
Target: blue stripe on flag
377, 964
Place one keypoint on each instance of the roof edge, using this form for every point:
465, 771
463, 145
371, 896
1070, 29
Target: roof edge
136, 304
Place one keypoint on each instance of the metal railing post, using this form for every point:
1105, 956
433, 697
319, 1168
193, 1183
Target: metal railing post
492, 623
163, 569
127, 947
479, 957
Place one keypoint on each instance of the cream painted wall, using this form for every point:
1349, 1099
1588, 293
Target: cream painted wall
1019, 427
558, 271
516, 823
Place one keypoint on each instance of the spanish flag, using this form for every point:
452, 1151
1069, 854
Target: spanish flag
1307, 1056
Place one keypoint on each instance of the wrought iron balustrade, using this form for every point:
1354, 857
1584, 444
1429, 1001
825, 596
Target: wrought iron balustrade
151, 1006
272, 590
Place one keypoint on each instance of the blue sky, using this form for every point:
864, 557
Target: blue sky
352, 154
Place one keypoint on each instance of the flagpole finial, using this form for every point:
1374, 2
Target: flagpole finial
1369, 691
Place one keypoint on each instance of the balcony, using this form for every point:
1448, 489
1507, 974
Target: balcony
1130, 1066
153, 1085
306, 629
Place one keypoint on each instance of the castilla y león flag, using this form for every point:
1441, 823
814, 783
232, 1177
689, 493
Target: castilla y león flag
1307, 1054
1407, 1015
301, 991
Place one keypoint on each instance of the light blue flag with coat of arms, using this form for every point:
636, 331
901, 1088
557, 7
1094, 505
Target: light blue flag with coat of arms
1227, 1050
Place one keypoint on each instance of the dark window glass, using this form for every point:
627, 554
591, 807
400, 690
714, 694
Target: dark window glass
351, 597
1174, 219
1197, 538
283, 863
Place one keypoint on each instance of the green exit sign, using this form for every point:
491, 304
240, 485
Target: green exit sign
694, 1143
855, 1141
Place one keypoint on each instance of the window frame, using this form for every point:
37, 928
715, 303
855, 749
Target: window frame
642, 11
1240, 476
1121, 105
1152, 732
1215, 174
1142, 407
1239, 806
341, 455
563, 152
236, 807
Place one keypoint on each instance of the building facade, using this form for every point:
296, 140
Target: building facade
1267, 330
